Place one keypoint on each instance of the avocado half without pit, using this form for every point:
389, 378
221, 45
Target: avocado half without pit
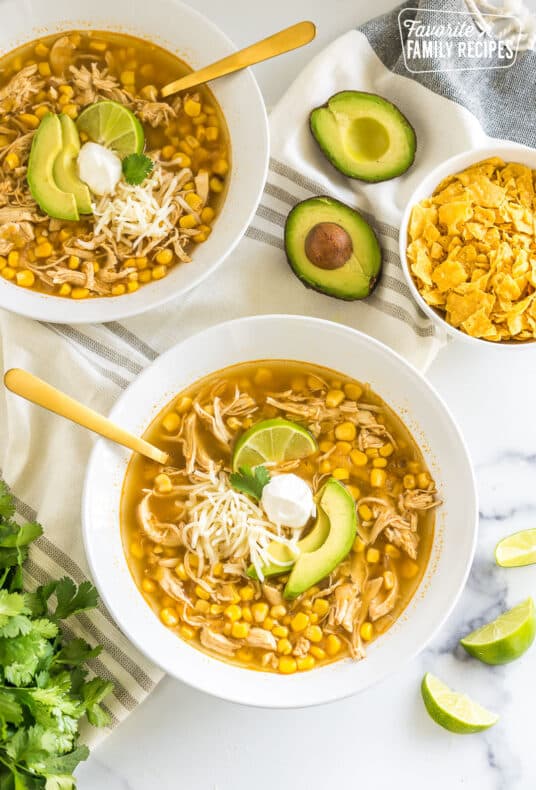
332, 249
364, 136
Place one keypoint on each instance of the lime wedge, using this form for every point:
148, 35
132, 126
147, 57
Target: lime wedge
113, 125
517, 549
454, 711
273, 441
506, 638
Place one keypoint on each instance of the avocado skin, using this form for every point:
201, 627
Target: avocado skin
323, 288
337, 164
311, 567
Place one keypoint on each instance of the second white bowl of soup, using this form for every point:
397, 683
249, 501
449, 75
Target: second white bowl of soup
171, 185
183, 555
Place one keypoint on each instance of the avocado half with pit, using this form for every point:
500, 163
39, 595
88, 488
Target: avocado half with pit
311, 567
332, 249
364, 136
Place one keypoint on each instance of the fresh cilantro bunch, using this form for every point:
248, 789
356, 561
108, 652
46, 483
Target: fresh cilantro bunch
250, 481
44, 688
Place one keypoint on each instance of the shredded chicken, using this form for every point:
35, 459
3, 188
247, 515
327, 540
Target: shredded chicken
157, 531
260, 637
217, 642
379, 608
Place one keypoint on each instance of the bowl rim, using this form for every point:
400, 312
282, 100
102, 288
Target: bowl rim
446, 167
55, 309
235, 694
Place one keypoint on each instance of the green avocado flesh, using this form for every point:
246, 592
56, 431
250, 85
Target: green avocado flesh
332, 249
312, 541
364, 136
64, 170
338, 505
46, 146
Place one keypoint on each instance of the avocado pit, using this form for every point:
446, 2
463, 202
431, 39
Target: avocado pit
328, 245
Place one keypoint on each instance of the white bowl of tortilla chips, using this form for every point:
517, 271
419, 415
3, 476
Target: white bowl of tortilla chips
468, 246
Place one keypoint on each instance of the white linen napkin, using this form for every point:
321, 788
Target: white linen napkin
43, 458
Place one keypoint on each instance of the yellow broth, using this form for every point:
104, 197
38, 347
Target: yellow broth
195, 137
388, 470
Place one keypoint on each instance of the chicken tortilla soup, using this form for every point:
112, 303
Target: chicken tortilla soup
294, 522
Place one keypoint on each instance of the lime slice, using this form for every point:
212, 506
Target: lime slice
273, 441
517, 549
113, 125
506, 638
454, 711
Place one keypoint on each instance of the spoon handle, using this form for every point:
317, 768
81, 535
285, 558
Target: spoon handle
38, 391
286, 40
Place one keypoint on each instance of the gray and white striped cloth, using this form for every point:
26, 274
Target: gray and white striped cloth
43, 458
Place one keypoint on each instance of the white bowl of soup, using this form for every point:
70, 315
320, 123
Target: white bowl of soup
181, 554
170, 184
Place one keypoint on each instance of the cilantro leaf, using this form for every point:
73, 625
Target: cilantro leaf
72, 599
249, 481
136, 168
76, 652
92, 695
7, 505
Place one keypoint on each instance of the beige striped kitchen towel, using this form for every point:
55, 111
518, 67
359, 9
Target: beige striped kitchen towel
43, 458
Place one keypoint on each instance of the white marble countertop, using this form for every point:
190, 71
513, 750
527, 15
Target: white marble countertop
382, 738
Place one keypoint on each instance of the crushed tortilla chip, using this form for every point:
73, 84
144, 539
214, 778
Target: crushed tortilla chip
472, 250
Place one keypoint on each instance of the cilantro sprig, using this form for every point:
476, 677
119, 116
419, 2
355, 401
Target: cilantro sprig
136, 168
44, 685
250, 481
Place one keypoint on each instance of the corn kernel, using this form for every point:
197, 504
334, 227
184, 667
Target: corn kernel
387, 450
372, 452
118, 289
164, 256
278, 611
127, 77
314, 633
325, 467
187, 632
148, 585
317, 652
287, 665
284, 647
358, 458
215, 609
216, 185
341, 474
260, 611
212, 133
366, 631
325, 446
3, 263
365, 512
79, 293
334, 398
299, 622
281, 631
358, 545
169, 617
199, 238
145, 276
321, 607
247, 614
158, 272
30, 120
423, 480
132, 286
392, 551
414, 467
163, 483
192, 107
41, 50
41, 111
354, 491
180, 571
70, 110
188, 221
12, 160
245, 655
353, 391
246, 593
8, 273
268, 623
220, 167
65, 289
240, 630
379, 463
373, 556
168, 151
227, 628
408, 482
233, 612
202, 593
378, 478
346, 431
409, 569
171, 422
25, 278
202, 606
207, 214
136, 549
184, 405
13, 259
333, 645
305, 663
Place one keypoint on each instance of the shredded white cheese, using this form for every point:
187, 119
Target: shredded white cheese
147, 211
224, 523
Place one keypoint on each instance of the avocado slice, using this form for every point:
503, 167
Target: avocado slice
337, 503
65, 172
332, 249
46, 146
312, 541
364, 136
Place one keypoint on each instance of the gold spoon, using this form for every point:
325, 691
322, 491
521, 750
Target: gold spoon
38, 391
286, 40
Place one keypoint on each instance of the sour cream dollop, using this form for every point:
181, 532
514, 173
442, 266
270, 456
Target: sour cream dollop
288, 500
99, 168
